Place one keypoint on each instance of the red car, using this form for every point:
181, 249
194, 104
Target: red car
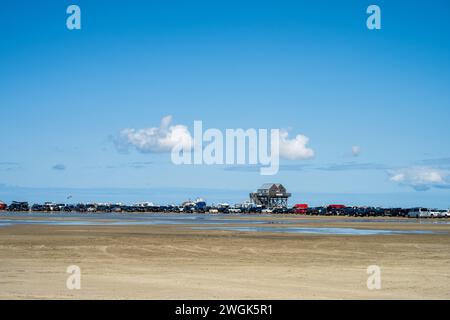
301, 208
2, 206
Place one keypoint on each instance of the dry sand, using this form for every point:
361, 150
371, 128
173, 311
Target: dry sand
175, 262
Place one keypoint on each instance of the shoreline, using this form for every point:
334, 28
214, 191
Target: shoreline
251, 214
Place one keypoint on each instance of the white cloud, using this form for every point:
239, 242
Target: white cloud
421, 178
156, 139
356, 150
294, 149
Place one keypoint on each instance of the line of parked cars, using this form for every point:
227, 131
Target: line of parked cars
427, 213
335, 210
199, 206
186, 207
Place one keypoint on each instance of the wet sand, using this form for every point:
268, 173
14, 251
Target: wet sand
177, 262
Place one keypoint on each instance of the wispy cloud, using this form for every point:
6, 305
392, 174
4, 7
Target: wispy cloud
442, 163
256, 168
347, 166
8, 166
140, 165
59, 167
134, 165
421, 178
353, 166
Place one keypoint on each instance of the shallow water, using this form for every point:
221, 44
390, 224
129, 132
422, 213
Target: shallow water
125, 219
258, 223
333, 231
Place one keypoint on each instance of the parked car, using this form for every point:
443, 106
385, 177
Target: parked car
434, 213
396, 212
3, 206
335, 209
91, 209
200, 206
280, 210
419, 213
320, 211
19, 206
69, 208
38, 208
223, 207
300, 208
254, 209
374, 212
440, 213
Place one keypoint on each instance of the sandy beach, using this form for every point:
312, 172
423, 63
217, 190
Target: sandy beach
178, 262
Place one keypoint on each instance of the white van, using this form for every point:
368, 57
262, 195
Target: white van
435, 213
419, 213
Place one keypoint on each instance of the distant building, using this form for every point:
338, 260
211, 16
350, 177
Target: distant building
270, 195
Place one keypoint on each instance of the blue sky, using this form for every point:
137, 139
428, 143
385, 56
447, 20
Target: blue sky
308, 66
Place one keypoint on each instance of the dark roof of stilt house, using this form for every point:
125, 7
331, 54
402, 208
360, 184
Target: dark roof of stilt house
269, 185
272, 188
